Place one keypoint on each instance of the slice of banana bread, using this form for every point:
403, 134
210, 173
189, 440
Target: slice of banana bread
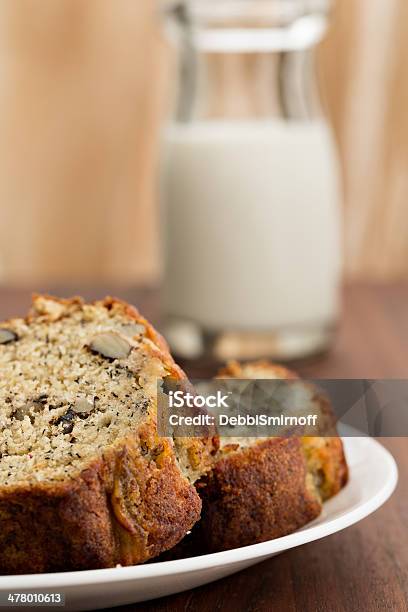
325, 454
261, 489
85, 481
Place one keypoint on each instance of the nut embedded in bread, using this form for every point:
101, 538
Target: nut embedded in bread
85, 480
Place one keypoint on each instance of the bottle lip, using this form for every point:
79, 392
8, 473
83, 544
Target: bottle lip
263, 13
231, 26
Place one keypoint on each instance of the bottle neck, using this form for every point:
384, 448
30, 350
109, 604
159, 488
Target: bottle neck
239, 26
247, 69
250, 87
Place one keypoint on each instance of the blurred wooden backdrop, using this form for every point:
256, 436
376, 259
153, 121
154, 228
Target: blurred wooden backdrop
81, 94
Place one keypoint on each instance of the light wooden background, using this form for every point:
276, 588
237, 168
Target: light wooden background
81, 94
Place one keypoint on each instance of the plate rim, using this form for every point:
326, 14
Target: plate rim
83, 578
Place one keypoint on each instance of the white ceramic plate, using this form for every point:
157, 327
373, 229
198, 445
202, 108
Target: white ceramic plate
373, 478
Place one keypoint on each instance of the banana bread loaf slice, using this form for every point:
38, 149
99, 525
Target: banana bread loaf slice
85, 480
260, 489
325, 453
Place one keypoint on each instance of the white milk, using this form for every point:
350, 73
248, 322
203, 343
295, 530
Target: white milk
251, 224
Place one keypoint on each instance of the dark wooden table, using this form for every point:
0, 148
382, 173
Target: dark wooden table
365, 567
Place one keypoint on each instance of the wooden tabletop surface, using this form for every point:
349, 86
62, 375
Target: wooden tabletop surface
365, 567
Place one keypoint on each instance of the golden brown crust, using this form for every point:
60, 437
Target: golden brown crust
256, 494
128, 505
125, 508
256, 369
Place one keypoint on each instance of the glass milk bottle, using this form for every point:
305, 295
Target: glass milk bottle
250, 183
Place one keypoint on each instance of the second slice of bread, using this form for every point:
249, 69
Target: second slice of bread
260, 489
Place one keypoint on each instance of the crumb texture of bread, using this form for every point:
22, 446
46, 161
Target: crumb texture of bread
327, 464
85, 481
